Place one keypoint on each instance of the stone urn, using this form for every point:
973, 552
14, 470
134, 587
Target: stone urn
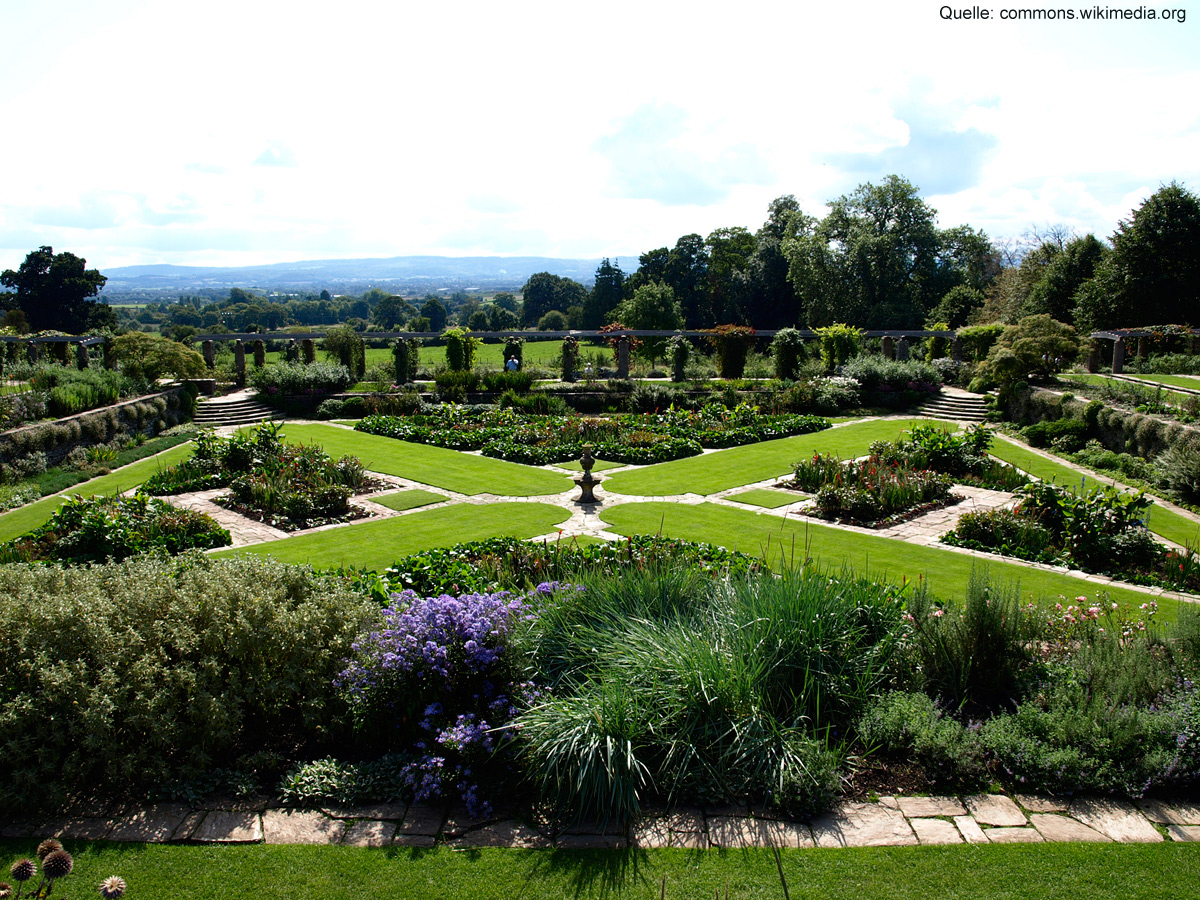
587, 482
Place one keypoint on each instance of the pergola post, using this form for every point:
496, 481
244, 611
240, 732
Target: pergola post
1118, 356
888, 346
209, 349
623, 357
239, 362
902, 349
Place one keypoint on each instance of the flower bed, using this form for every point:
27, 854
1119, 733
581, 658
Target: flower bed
629, 438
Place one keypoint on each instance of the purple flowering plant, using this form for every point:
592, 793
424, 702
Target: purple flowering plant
434, 677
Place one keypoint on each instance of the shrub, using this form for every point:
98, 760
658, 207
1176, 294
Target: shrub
295, 379
839, 343
454, 385
788, 350
679, 348
127, 676
730, 345
907, 725
345, 345
461, 348
1004, 531
1180, 468
518, 382
1068, 435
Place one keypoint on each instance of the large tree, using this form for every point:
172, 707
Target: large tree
56, 292
651, 308
1152, 275
607, 292
544, 292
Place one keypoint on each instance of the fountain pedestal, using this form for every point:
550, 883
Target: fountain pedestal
587, 482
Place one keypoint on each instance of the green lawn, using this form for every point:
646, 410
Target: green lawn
1162, 521
377, 544
1183, 381
539, 353
766, 498
26, 518
1146, 382
1005, 872
436, 466
599, 466
736, 466
402, 500
784, 540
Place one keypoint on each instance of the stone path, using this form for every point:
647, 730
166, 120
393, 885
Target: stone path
890, 822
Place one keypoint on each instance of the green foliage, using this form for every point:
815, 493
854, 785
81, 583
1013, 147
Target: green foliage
151, 357
1005, 532
330, 781
55, 292
461, 348
295, 379
128, 676
678, 349
839, 343
730, 345
518, 382
788, 350
977, 340
1180, 469
1068, 435
345, 345
1036, 346
910, 726
114, 528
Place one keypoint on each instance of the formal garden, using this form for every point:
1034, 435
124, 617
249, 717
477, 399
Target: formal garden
399, 599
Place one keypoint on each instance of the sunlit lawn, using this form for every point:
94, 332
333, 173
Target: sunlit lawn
982, 872
1146, 382
377, 544
736, 466
766, 498
436, 466
784, 541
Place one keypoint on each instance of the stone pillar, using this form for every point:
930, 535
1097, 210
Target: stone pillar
902, 349
239, 362
887, 346
1093, 359
81, 357
308, 350
622, 357
1118, 356
956, 349
32, 352
209, 349
1143, 348
1194, 345
110, 354
291, 352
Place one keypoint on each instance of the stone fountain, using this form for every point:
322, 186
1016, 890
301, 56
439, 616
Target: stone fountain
587, 482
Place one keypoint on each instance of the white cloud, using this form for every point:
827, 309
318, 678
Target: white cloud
258, 132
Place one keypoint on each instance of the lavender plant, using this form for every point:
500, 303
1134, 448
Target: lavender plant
433, 676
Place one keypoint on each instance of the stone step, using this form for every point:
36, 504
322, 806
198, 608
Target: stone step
234, 412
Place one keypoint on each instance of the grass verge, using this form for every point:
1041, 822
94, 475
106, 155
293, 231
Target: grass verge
784, 541
377, 544
403, 500
1011, 872
736, 466
766, 498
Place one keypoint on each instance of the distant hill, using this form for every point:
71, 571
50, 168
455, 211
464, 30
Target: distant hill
402, 274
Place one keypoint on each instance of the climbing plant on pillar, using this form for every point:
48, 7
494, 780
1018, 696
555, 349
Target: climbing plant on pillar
731, 344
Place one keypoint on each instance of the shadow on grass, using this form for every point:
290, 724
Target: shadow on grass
591, 873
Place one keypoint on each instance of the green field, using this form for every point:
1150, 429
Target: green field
536, 353
784, 541
983, 872
751, 463
436, 466
377, 544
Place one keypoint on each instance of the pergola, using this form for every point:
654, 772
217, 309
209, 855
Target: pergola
1121, 336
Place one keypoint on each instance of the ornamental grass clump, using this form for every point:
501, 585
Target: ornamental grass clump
667, 686
433, 677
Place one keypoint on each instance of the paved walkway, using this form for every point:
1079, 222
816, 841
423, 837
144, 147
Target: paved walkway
890, 822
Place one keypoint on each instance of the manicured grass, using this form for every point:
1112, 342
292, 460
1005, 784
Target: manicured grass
783, 541
436, 466
730, 468
26, 518
266, 872
376, 545
766, 498
1162, 521
536, 353
402, 500
1184, 381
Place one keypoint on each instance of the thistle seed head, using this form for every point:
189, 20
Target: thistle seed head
46, 847
57, 864
112, 887
23, 869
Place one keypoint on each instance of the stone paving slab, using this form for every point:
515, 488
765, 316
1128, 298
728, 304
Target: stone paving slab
151, 825
83, 828
1117, 819
504, 834
1170, 813
422, 820
393, 811
970, 830
1039, 804
995, 809
229, 827
1006, 835
1063, 828
592, 842
370, 833
737, 832
930, 807
863, 825
299, 826
1187, 833
935, 831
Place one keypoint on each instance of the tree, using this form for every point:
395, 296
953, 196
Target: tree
152, 356
1152, 275
651, 308
391, 312
56, 291
544, 292
435, 311
1054, 293
1037, 345
607, 292
729, 252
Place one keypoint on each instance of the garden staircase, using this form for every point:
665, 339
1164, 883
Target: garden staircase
957, 405
234, 409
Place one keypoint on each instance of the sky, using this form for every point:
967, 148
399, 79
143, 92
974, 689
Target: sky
249, 132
